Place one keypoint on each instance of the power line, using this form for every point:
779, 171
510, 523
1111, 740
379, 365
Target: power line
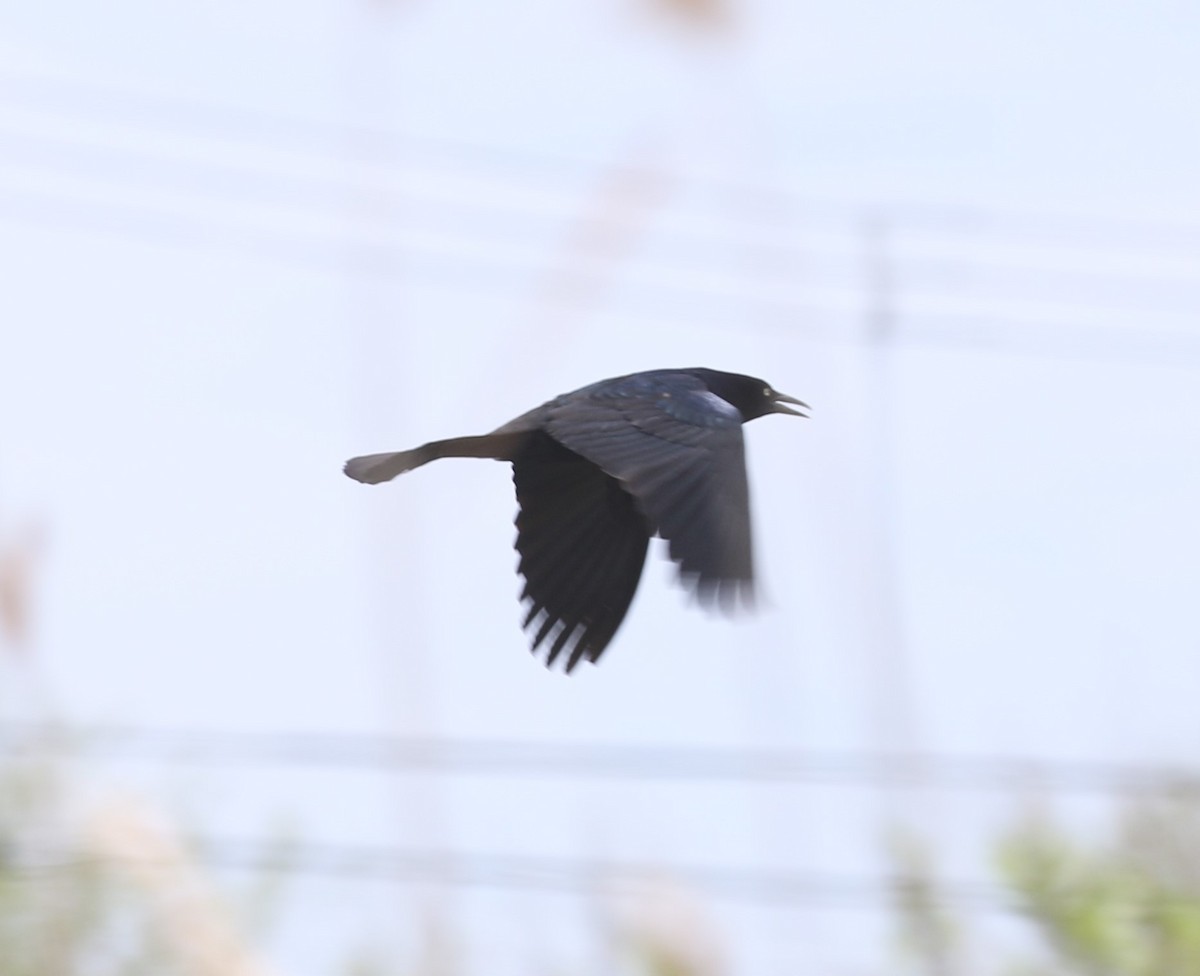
92, 100
442, 262
820, 314
309, 188
922, 318
479, 757
575, 876
531, 873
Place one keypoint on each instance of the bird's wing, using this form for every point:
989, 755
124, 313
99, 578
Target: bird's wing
678, 449
582, 543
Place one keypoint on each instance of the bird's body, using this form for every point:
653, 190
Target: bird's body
601, 470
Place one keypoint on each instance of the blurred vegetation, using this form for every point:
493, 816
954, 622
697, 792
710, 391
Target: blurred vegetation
113, 889
119, 895
928, 933
1125, 904
62, 916
91, 889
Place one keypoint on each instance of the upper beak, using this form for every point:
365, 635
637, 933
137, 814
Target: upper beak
779, 399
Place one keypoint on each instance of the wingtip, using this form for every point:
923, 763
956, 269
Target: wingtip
730, 597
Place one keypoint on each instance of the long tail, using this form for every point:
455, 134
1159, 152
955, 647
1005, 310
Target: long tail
371, 469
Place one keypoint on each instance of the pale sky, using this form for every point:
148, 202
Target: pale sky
999, 515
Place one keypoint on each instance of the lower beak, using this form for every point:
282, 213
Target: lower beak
779, 399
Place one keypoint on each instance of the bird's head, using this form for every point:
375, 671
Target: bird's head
752, 397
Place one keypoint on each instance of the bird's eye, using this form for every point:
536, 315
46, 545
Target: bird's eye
767, 391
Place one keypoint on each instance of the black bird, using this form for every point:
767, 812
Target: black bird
601, 470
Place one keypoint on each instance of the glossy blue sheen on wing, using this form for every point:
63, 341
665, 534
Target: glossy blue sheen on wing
702, 408
684, 398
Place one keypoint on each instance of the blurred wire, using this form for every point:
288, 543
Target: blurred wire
292, 213
1045, 329
591, 761
565, 875
113, 103
318, 185
552, 874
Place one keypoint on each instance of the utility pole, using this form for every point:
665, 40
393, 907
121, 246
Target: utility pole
395, 544
892, 725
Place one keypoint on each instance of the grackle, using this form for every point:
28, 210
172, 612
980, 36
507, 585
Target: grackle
601, 470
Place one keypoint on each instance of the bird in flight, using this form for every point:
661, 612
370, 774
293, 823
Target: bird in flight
600, 471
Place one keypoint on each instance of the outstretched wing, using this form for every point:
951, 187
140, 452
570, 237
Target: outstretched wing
582, 543
677, 449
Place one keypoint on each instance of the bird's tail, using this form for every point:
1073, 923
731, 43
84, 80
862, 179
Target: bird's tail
371, 469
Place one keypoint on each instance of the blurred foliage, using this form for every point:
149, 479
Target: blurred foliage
702, 13
1127, 904
929, 931
1130, 906
18, 559
667, 930
115, 893
60, 917
108, 891
652, 960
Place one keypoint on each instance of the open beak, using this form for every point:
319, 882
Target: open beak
778, 401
